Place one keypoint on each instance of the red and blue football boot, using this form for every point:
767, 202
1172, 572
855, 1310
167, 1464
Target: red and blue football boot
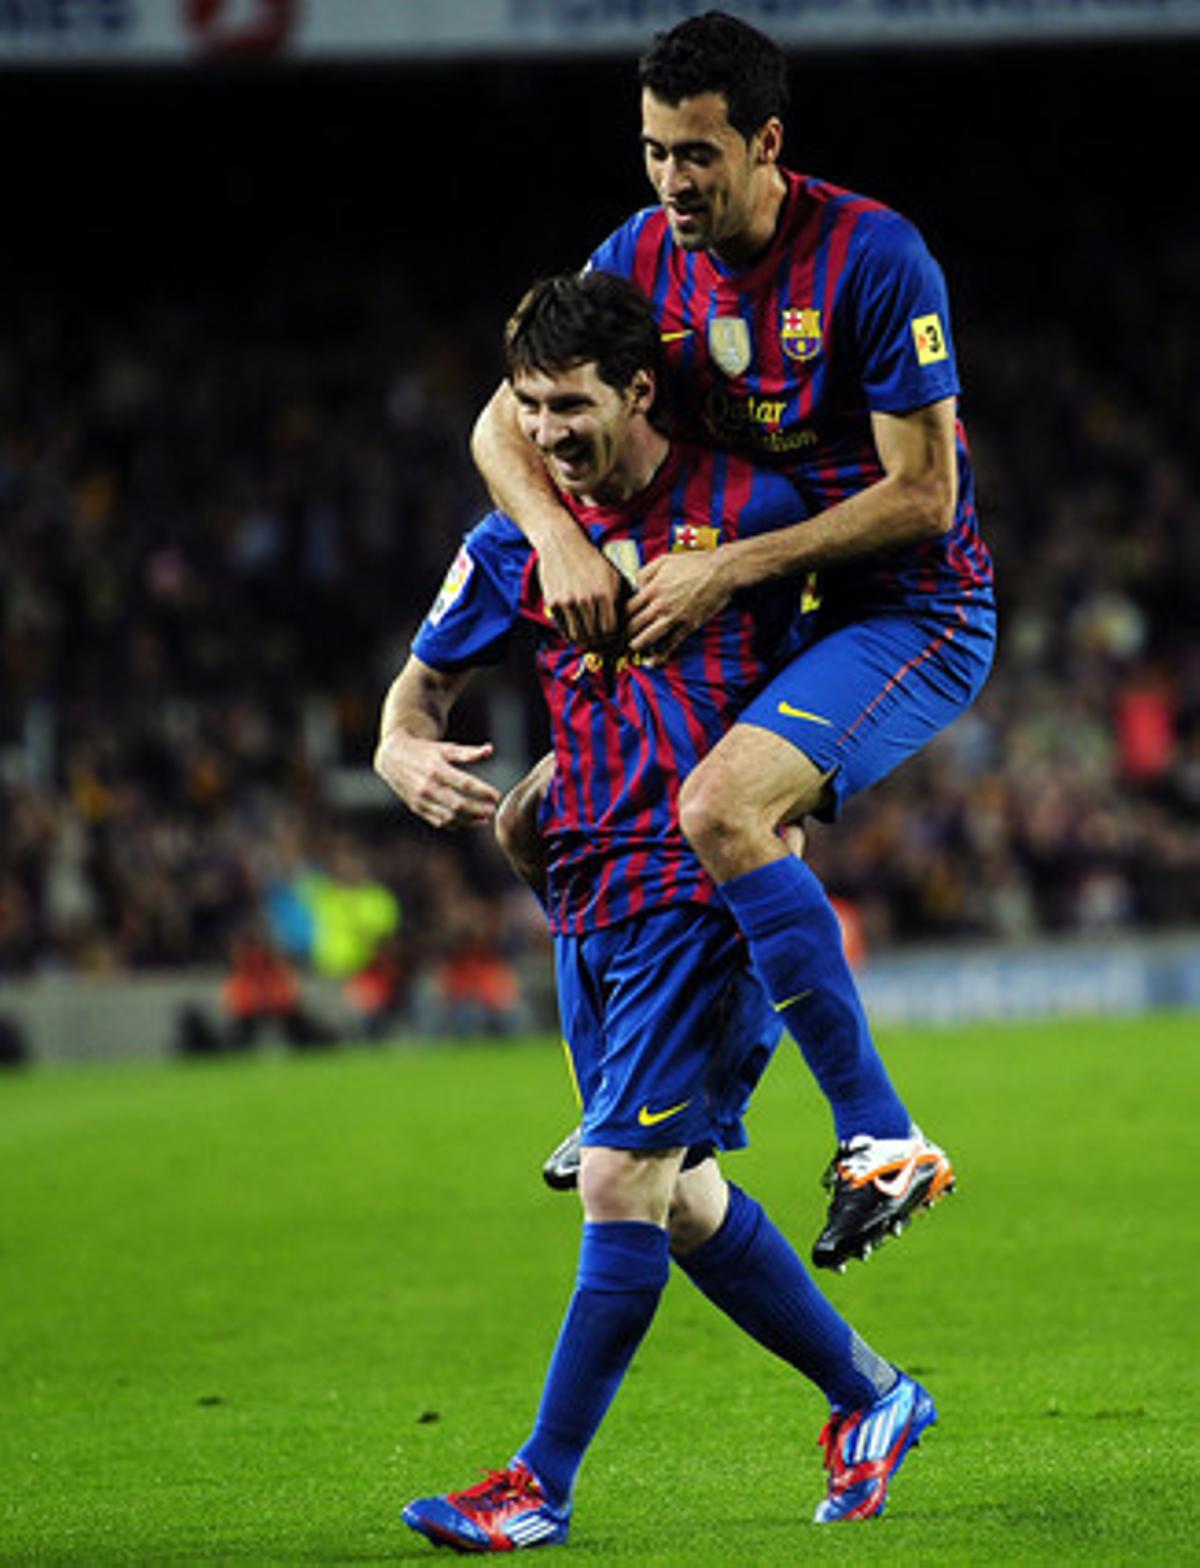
505, 1512
865, 1448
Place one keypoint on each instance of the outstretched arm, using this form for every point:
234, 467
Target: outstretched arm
580, 588
427, 772
915, 499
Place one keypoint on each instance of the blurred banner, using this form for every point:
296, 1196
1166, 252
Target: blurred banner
174, 32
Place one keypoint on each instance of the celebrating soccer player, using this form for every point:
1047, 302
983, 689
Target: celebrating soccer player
668, 1026
808, 328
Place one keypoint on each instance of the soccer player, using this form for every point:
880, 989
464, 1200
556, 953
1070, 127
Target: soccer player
668, 1027
809, 328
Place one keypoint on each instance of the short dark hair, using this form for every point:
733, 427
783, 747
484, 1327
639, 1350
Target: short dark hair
581, 317
717, 53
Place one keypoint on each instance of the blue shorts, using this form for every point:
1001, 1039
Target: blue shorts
863, 697
668, 1029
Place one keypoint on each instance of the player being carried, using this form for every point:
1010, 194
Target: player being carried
808, 328
668, 1027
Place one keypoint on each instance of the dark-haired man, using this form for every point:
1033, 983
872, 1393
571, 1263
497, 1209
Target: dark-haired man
668, 1027
808, 328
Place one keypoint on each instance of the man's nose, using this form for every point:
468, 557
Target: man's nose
548, 431
675, 178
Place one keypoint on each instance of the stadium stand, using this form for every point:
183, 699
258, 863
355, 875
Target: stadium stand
227, 500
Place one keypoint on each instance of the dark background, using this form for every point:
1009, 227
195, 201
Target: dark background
1022, 167
304, 272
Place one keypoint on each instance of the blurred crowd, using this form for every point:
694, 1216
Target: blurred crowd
222, 520
1068, 799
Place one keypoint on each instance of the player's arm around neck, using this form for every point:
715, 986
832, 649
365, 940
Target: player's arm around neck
914, 500
412, 757
580, 589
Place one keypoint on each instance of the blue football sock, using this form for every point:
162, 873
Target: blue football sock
752, 1273
796, 944
623, 1267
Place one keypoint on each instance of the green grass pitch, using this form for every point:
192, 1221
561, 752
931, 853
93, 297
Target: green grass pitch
247, 1309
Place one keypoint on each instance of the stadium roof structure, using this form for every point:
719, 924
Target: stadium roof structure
134, 33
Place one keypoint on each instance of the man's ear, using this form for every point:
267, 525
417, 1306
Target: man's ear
642, 391
768, 141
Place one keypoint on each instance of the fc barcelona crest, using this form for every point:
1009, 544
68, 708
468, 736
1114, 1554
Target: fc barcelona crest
694, 536
729, 344
800, 333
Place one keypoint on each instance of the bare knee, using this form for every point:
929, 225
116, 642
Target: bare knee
733, 805
715, 821
628, 1184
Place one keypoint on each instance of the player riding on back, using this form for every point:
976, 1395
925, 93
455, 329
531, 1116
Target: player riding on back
808, 328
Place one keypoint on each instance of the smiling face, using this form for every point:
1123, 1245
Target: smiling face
720, 192
592, 436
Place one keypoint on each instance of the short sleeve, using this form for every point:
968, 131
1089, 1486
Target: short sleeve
479, 603
897, 312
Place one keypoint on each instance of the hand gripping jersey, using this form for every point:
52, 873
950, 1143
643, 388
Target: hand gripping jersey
844, 314
625, 736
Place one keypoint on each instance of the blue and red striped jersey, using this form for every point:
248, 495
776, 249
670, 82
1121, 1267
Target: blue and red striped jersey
625, 736
844, 315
